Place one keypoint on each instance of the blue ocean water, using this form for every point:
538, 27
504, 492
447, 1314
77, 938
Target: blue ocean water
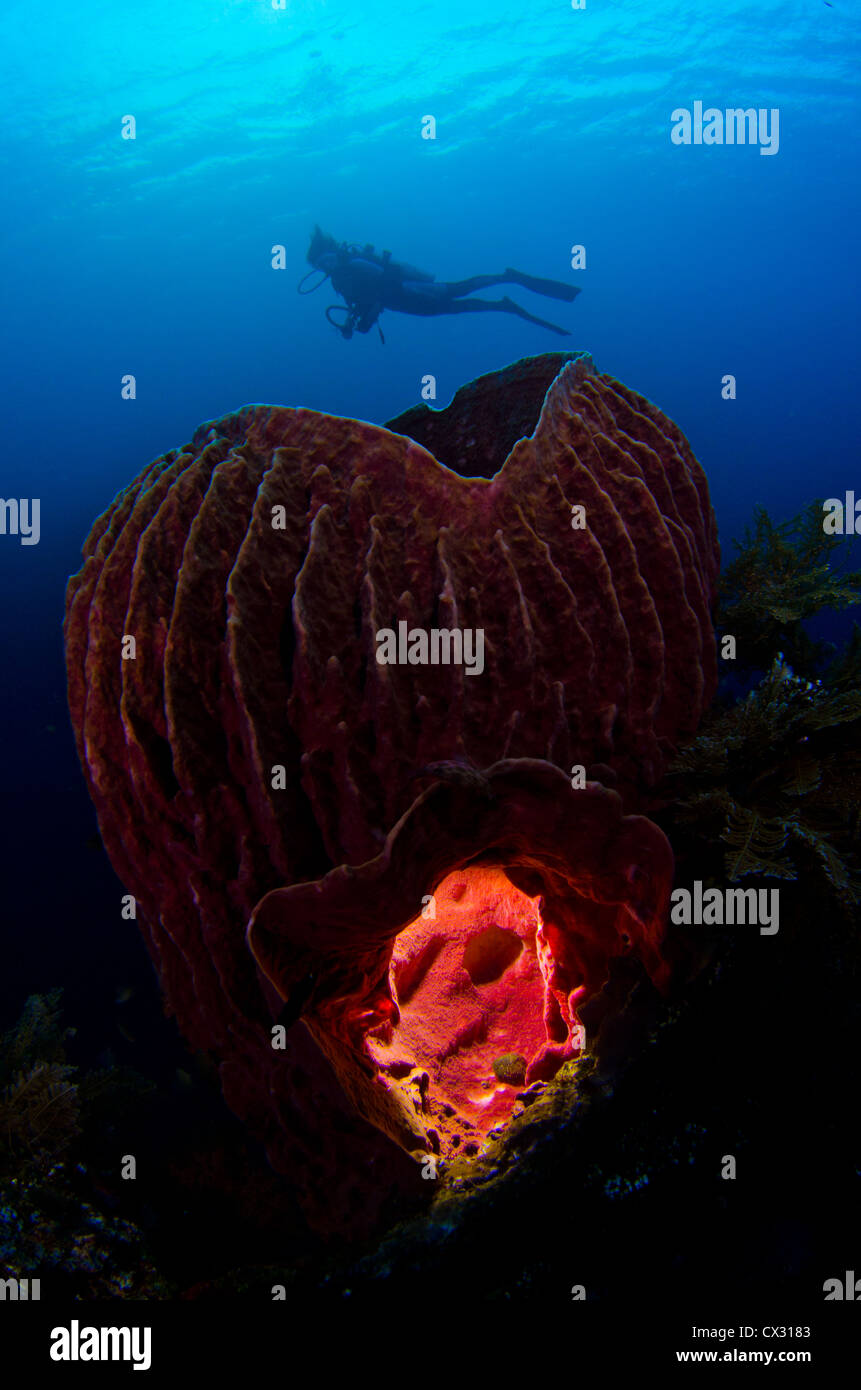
253, 123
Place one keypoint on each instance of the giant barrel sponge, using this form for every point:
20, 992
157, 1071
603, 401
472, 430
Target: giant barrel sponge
422, 868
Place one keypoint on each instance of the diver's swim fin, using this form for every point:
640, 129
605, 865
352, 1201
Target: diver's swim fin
553, 289
509, 306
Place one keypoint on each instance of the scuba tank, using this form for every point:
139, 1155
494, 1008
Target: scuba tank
404, 271
343, 255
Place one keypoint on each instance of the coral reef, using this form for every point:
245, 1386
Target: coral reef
52, 1225
776, 780
39, 1101
783, 574
252, 762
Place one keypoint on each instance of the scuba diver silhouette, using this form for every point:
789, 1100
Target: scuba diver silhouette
370, 283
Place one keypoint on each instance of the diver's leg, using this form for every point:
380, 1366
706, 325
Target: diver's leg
554, 289
503, 306
456, 288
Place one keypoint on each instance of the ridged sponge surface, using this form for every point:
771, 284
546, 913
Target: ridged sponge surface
255, 741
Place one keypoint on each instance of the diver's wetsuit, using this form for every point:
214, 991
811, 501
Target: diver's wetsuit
371, 285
